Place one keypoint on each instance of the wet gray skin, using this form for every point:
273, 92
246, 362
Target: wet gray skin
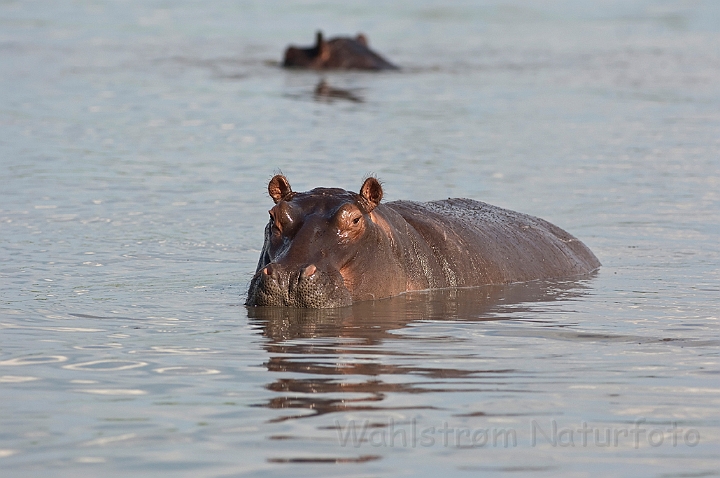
331, 247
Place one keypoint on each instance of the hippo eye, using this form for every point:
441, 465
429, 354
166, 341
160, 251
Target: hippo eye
273, 224
356, 220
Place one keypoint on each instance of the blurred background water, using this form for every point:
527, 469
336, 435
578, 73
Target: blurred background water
136, 142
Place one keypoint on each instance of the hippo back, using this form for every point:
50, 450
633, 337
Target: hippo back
474, 243
350, 54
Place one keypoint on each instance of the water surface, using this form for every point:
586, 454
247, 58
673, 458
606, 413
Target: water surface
136, 144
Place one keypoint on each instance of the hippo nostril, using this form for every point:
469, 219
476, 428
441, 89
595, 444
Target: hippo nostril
309, 270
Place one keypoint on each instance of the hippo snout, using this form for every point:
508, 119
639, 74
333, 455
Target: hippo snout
306, 286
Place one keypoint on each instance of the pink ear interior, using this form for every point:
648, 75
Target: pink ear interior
371, 191
279, 188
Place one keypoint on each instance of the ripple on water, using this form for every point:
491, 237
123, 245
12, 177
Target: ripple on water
112, 391
34, 360
51, 329
113, 439
16, 379
359, 459
106, 365
183, 350
187, 371
98, 346
90, 459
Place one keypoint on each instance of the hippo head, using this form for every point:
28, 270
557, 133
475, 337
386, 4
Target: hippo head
311, 242
313, 57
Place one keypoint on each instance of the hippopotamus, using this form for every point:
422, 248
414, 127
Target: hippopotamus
337, 54
329, 247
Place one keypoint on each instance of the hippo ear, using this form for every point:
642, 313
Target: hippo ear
371, 193
322, 47
279, 188
361, 39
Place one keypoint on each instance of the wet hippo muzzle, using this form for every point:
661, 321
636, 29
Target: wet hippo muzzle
303, 287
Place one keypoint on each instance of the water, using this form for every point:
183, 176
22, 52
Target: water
136, 144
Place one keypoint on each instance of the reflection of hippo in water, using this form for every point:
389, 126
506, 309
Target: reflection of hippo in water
331, 247
323, 91
336, 53
311, 347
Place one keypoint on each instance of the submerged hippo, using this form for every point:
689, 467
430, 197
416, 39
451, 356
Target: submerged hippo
336, 53
329, 247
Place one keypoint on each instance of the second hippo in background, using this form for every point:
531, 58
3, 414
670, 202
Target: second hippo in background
342, 53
